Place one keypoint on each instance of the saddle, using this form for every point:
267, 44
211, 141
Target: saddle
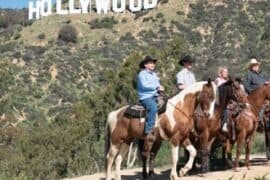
139, 111
235, 108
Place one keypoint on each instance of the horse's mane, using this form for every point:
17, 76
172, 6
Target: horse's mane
225, 92
192, 89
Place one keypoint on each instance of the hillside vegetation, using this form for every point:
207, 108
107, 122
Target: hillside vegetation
56, 89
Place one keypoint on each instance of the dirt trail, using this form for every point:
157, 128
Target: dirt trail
260, 167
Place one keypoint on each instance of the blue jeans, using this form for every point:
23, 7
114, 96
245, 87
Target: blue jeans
151, 106
224, 117
261, 115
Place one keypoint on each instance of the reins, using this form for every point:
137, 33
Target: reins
178, 109
168, 102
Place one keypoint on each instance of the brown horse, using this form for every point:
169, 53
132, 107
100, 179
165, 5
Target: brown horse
174, 125
242, 125
246, 122
208, 128
256, 100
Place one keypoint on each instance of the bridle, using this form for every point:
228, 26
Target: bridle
179, 109
161, 93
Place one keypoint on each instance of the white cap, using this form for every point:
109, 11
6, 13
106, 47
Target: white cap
253, 61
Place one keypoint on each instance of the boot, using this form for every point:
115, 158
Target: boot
149, 140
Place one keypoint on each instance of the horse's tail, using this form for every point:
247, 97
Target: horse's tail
111, 121
107, 139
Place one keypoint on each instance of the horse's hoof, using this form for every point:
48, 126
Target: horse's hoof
268, 154
229, 164
151, 174
173, 177
236, 170
182, 172
145, 176
201, 175
118, 178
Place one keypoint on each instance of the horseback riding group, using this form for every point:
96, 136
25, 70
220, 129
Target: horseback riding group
226, 109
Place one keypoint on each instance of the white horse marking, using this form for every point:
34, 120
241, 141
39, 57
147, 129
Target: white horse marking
112, 119
179, 98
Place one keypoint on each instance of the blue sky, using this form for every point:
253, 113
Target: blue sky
15, 3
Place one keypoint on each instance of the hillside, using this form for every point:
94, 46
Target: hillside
54, 95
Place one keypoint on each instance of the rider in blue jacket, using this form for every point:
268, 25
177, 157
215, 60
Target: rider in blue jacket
148, 86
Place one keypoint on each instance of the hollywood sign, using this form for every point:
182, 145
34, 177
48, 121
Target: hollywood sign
40, 8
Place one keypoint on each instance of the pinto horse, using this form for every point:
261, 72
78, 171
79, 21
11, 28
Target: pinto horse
174, 125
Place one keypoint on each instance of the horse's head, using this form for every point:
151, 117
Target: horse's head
238, 91
207, 98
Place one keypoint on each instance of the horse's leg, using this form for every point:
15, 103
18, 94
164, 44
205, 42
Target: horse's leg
144, 159
175, 149
153, 155
119, 158
267, 142
203, 139
240, 141
192, 154
110, 158
228, 159
248, 146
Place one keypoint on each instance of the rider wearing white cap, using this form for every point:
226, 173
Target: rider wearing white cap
254, 77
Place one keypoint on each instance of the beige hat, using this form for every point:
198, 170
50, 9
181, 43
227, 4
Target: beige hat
253, 62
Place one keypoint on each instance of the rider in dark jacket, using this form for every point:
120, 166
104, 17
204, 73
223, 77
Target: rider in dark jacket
254, 77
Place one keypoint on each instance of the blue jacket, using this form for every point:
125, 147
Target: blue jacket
147, 84
254, 80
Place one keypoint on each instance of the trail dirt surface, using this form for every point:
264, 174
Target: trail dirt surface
260, 169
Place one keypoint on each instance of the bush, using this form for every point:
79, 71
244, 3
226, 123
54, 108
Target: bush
106, 23
68, 33
41, 36
124, 20
180, 13
159, 15
146, 19
28, 56
8, 32
17, 36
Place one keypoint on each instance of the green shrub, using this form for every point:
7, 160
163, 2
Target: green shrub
41, 36
124, 20
180, 13
159, 15
68, 33
17, 36
107, 23
146, 19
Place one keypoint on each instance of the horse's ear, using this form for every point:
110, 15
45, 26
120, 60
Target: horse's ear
238, 79
209, 83
231, 78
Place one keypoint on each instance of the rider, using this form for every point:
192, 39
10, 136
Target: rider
254, 79
148, 86
223, 76
185, 77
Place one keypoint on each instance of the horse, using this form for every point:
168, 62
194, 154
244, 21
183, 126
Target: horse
255, 103
207, 129
242, 125
174, 125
